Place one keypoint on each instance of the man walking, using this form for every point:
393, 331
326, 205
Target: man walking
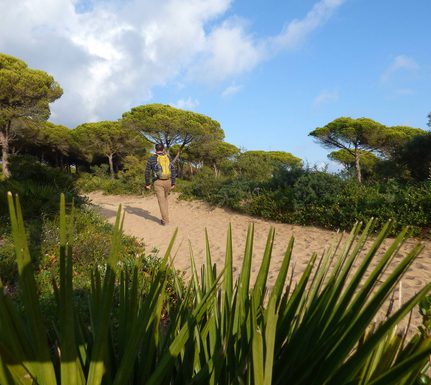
162, 169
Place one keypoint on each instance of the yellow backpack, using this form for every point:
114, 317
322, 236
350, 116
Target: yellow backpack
163, 169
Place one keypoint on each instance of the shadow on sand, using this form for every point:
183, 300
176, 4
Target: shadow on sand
141, 213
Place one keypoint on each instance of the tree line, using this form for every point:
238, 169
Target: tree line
365, 148
370, 149
192, 139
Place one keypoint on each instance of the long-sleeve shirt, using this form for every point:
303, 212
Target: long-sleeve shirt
151, 169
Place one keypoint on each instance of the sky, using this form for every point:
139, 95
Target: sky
270, 71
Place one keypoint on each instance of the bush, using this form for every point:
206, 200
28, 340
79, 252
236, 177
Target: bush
204, 185
92, 244
316, 188
310, 197
130, 180
38, 185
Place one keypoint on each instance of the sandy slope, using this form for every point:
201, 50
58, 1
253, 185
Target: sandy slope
192, 218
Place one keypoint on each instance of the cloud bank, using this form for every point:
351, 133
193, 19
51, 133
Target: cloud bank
109, 55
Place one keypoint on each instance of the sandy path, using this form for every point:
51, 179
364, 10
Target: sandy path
192, 218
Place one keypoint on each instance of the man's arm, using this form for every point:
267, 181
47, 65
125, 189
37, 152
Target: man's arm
148, 173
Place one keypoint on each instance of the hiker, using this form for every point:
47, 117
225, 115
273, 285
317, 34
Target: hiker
162, 168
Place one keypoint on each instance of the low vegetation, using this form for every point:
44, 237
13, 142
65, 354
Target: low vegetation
311, 197
219, 330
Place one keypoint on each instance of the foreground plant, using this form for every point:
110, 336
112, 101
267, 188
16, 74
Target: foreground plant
220, 331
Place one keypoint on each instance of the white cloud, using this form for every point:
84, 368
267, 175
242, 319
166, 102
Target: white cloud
186, 104
109, 55
298, 30
231, 90
400, 63
230, 50
326, 96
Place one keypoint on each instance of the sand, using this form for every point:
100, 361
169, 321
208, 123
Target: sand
142, 220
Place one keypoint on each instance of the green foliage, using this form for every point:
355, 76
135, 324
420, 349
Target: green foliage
369, 161
25, 95
204, 186
220, 330
39, 185
169, 125
91, 239
108, 139
280, 158
214, 154
416, 155
396, 137
351, 135
309, 197
25, 92
260, 166
130, 180
360, 139
317, 187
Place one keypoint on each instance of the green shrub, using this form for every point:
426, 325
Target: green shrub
316, 188
38, 185
203, 186
92, 242
129, 180
309, 197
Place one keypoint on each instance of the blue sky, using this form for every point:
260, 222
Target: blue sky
269, 71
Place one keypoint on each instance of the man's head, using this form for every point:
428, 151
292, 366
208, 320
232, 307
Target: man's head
159, 147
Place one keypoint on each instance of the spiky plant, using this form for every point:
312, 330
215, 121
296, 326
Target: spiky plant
221, 331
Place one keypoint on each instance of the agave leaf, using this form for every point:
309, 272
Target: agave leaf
71, 370
260, 284
282, 274
244, 283
360, 322
228, 274
13, 373
149, 312
45, 373
270, 333
257, 347
361, 296
395, 375
166, 361
195, 278
100, 348
209, 277
348, 370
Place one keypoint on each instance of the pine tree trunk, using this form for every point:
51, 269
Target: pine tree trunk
216, 171
180, 150
177, 156
358, 166
4, 140
111, 165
